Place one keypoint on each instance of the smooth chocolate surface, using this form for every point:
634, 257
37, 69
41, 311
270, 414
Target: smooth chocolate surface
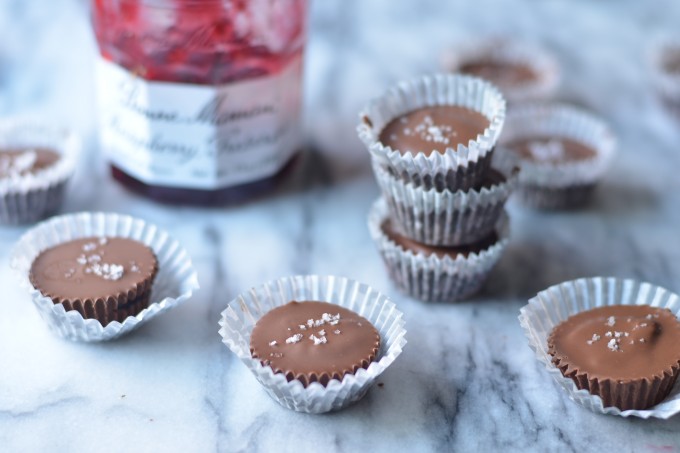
502, 74
441, 252
20, 162
314, 341
94, 268
619, 342
551, 149
433, 129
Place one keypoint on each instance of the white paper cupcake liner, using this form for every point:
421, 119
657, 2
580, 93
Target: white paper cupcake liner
445, 218
175, 282
557, 303
509, 51
243, 313
666, 83
430, 278
556, 120
459, 168
29, 198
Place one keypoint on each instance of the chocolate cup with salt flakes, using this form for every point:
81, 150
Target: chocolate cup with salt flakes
557, 303
242, 313
663, 53
456, 168
556, 185
28, 198
174, 283
431, 278
446, 218
507, 51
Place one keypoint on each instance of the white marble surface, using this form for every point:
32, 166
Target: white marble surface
467, 380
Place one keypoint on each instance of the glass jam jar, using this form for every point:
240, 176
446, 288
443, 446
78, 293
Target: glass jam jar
200, 100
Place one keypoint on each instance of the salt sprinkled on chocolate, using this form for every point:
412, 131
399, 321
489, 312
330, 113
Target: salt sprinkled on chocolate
613, 344
337, 331
294, 339
273, 343
317, 340
611, 321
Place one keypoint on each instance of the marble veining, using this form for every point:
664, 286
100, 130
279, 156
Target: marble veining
466, 381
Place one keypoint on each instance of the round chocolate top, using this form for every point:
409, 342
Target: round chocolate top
433, 129
439, 251
92, 268
619, 342
551, 149
21, 162
314, 341
503, 74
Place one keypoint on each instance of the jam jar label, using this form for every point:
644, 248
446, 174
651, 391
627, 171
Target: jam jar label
199, 136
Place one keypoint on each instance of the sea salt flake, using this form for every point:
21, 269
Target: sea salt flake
103, 241
277, 355
611, 321
310, 323
613, 344
547, 151
81, 259
90, 246
322, 332
608, 334
595, 338
294, 339
302, 327
337, 331
641, 340
273, 343
317, 340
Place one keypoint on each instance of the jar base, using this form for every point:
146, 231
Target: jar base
209, 198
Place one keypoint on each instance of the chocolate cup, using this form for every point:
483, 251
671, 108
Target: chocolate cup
431, 278
446, 218
116, 307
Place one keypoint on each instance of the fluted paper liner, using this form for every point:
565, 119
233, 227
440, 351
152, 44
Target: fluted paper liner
430, 278
445, 218
175, 282
243, 313
31, 197
509, 51
666, 83
559, 302
459, 168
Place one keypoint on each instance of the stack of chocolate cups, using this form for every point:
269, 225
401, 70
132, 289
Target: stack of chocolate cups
440, 224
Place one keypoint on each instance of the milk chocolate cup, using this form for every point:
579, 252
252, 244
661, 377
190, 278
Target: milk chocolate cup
560, 185
34, 196
242, 314
173, 284
446, 218
665, 52
557, 303
454, 169
507, 51
431, 278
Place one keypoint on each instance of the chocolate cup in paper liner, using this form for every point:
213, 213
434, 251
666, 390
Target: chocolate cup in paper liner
174, 283
512, 52
557, 303
563, 184
666, 82
446, 218
430, 278
242, 314
32, 197
116, 307
454, 169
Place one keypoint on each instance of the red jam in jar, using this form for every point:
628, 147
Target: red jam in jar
199, 100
